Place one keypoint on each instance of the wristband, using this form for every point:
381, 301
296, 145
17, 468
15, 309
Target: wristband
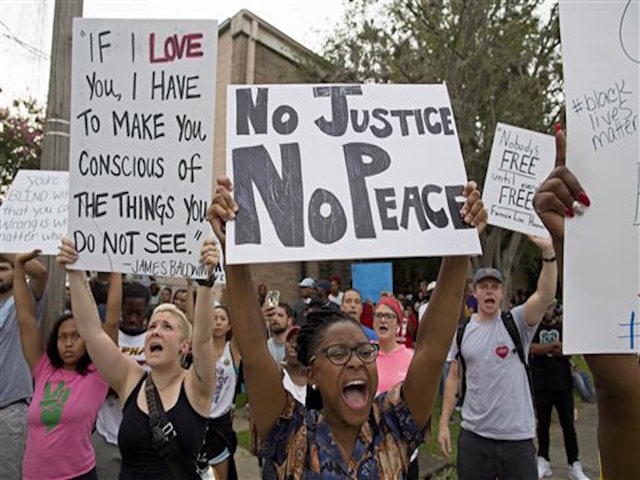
552, 259
206, 282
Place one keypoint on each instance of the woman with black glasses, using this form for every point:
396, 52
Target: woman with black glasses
355, 434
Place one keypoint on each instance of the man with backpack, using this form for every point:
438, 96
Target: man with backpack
489, 354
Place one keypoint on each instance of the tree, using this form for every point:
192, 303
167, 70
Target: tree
21, 134
500, 60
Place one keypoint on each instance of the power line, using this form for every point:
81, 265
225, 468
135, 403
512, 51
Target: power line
30, 48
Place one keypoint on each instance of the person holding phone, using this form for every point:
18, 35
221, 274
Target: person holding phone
279, 323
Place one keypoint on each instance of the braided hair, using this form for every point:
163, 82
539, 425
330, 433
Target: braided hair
318, 320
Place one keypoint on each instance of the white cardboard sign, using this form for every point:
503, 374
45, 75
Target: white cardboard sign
34, 212
601, 58
141, 156
520, 160
344, 171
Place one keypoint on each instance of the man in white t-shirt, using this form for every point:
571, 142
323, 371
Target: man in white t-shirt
498, 420
133, 327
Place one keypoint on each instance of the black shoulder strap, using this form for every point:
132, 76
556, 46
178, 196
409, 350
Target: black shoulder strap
164, 437
462, 370
512, 329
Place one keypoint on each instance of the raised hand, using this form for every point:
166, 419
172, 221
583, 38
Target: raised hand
67, 253
473, 211
544, 244
223, 208
25, 257
209, 255
557, 196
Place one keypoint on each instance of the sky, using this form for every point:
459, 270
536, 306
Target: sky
26, 28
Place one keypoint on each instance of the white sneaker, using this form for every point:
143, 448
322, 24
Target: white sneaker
575, 471
544, 468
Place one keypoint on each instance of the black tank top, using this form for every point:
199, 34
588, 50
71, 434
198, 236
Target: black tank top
139, 458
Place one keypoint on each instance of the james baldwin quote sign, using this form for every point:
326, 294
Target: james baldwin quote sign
520, 160
344, 171
142, 110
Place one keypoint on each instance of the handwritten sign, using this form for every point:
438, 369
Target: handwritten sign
34, 212
142, 110
344, 171
520, 160
601, 61
372, 278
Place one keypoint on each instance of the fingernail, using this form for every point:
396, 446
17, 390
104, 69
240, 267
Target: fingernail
568, 212
584, 199
557, 127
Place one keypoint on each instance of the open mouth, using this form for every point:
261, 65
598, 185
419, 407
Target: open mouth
155, 347
490, 301
355, 394
383, 328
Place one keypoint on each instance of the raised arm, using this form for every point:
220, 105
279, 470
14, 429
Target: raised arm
617, 377
202, 372
114, 305
114, 367
438, 325
264, 383
30, 339
537, 303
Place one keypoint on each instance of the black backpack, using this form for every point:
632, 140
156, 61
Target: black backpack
512, 329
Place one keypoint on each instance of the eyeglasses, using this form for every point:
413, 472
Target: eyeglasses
386, 316
340, 354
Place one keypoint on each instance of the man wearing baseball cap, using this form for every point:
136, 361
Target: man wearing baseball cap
489, 353
307, 292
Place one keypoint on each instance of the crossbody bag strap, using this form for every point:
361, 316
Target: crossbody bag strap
164, 436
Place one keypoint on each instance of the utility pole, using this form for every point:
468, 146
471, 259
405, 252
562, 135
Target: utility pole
55, 146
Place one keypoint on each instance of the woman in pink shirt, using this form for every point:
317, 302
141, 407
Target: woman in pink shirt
68, 392
393, 359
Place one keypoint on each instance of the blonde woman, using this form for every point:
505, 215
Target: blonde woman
185, 395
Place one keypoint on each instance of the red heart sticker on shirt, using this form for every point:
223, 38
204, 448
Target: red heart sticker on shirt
502, 351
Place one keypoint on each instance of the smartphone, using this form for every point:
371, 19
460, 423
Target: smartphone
273, 298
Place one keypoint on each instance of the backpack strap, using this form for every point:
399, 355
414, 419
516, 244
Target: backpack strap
164, 437
512, 330
462, 371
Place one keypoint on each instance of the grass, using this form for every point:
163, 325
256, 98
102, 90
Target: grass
244, 439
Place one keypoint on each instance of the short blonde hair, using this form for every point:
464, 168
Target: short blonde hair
184, 327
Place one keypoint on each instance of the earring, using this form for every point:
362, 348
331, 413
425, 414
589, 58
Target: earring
313, 386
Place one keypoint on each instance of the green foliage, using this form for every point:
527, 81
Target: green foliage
500, 60
21, 134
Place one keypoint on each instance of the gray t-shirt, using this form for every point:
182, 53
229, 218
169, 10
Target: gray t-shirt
276, 350
15, 377
497, 402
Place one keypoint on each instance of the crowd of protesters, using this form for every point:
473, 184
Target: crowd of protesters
138, 379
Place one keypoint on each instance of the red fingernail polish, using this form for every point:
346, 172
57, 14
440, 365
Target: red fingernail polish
557, 127
582, 196
568, 212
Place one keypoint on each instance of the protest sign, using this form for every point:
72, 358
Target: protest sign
601, 55
142, 110
520, 160
34, 212
344, 171
372, 278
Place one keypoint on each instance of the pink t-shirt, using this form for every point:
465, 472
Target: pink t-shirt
392, 367
60, 419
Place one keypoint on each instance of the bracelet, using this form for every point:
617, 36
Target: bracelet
206, 282
552, 259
